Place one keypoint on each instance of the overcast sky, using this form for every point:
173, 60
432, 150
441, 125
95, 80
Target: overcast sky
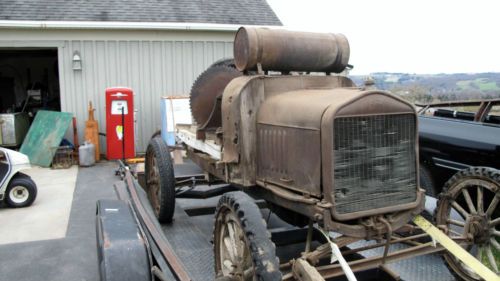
440, 36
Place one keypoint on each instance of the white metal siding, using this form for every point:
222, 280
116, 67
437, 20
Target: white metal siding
153, 63
151, 68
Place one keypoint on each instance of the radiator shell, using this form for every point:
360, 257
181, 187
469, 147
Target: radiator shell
295, 148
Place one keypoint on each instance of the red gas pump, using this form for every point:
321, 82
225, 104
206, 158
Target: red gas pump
120, 123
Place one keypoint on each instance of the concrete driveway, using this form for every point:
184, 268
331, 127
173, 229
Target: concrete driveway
48, 217
54, 239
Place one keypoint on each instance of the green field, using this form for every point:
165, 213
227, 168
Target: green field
484, 258
482, 84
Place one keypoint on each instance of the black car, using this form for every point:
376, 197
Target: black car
455, 136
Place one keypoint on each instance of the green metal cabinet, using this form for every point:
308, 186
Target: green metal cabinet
13, 128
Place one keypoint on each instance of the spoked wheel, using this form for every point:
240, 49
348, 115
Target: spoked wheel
242, 245
160, 180
468, 208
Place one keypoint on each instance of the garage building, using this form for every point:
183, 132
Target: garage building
63, 54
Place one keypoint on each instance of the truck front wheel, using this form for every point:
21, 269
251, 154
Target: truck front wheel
242, 245
160, 180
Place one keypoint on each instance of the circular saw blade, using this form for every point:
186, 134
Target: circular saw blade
207, 88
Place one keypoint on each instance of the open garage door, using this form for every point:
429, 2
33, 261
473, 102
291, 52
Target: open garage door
29, 81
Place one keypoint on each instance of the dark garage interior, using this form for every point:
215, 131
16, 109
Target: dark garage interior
29, 72
29, 81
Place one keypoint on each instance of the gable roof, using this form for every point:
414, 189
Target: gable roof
241, 12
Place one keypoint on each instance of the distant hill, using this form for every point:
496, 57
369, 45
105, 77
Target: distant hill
437, 87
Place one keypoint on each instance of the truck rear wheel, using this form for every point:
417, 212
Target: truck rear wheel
21, 191
468, 208
242, 245
160, 180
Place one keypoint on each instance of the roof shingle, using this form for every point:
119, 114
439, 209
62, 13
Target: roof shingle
244, 12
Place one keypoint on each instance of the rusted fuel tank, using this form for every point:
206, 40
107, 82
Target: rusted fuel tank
283, 50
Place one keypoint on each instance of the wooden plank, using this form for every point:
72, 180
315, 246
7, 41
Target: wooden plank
303, 271
45, 135
92, 132
209, 147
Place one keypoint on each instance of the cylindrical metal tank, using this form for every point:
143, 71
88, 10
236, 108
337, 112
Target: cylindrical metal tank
283, 50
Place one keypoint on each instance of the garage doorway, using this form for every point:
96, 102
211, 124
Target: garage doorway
29, 80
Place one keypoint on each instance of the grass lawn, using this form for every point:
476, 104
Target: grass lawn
482, 83
485, 261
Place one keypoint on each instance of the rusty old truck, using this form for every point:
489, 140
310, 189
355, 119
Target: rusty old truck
279, 127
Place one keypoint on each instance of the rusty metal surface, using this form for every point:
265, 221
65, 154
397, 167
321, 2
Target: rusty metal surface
302, 105
206, 163
367, 104
289, 157
313, 109
303, 108
364, 255
154, 230
284, 50
319, 211
329, 271
242, 100
123, 252
206, 95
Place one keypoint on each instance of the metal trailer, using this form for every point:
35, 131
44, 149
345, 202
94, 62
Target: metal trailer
133, 245
336, 161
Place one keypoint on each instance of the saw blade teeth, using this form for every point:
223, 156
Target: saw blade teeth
209, 85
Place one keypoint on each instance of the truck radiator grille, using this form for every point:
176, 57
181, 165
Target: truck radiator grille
374, 162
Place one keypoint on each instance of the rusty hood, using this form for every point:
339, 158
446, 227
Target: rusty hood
305, 108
